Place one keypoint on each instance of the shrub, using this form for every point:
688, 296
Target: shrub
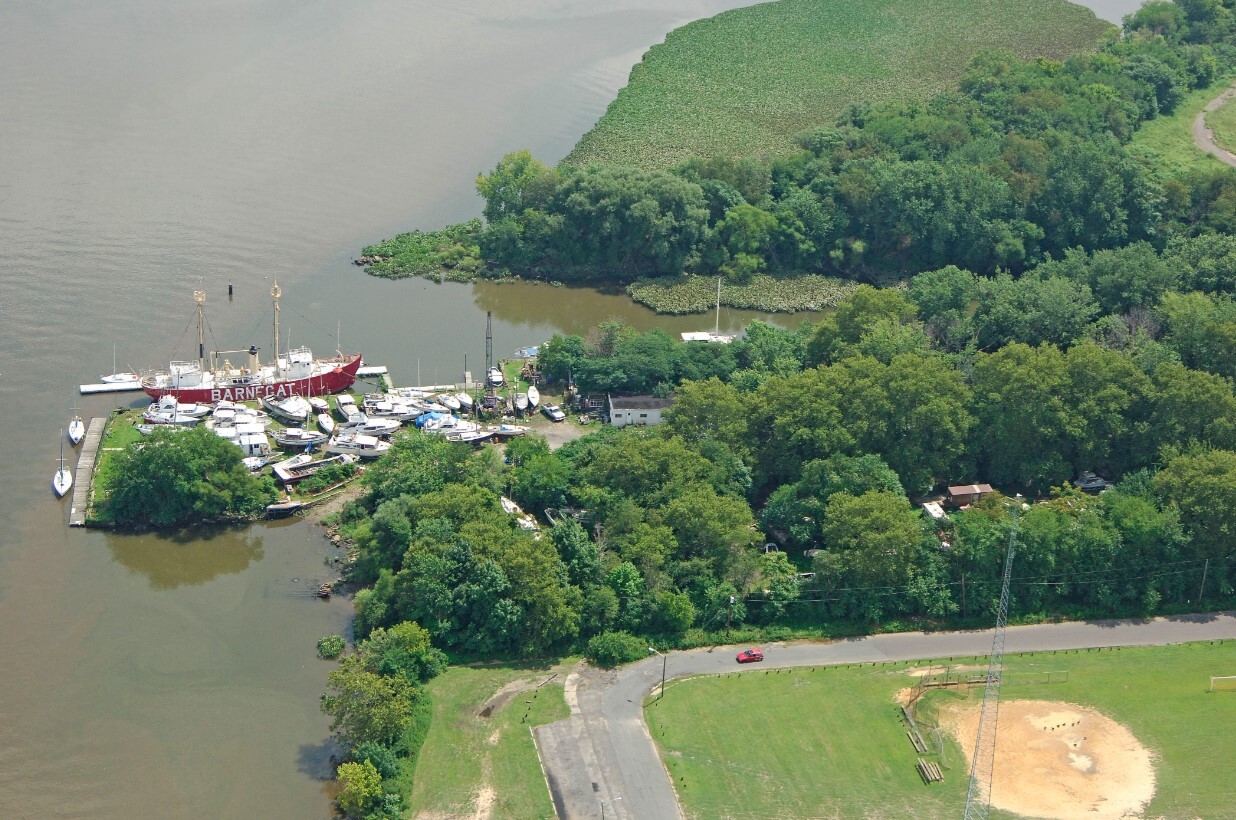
382, 757
613, 648
361, 788
330, 647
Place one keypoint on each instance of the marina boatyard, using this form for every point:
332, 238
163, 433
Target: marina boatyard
293, 452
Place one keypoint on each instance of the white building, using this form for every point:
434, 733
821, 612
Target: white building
624, 410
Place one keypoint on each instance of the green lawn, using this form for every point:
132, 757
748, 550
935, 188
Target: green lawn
746, 81
1165, 144
1222, 122
466, 754
828, 742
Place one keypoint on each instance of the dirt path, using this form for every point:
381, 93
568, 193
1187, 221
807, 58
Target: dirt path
1204, 138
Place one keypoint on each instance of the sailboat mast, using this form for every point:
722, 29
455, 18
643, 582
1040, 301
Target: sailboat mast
199, 296
275, 293
489, 341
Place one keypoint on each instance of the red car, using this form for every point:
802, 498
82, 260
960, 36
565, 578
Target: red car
751, 655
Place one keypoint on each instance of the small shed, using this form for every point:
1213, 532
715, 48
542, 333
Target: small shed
626, 410
967, 493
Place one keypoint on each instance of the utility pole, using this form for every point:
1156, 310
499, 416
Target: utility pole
729, 614
1205, 569
963, 595
978, 798
664, 658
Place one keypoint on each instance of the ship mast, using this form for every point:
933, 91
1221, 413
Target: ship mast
199, 296
275, 293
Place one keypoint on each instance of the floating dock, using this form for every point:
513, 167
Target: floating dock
84, 475
110, 387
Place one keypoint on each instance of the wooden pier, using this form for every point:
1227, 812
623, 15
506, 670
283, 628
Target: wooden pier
84, 475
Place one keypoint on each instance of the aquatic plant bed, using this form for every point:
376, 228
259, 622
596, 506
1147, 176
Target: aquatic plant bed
746, 81
830, 741
450, 254
698, 294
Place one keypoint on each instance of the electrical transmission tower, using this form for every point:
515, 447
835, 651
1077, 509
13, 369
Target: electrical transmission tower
978, 799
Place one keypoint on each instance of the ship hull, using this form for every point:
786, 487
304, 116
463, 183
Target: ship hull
332, 381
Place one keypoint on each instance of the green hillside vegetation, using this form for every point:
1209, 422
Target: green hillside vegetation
1165, 146
1222, 122
829, 741
745, 82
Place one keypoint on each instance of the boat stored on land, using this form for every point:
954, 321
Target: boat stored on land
293, 409
299, 437
303, 466
357, 444
294, 373
534, 396
326, 423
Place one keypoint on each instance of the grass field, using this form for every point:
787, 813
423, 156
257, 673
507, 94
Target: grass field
1222, 122
829, 742
1165, 145
746, 81
471, 762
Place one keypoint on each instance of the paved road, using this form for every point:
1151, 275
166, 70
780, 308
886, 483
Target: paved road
602, 759
1204, 138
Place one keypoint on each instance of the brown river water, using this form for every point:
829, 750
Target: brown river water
151, 148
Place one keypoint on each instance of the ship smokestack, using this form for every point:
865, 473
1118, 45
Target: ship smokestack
254, 365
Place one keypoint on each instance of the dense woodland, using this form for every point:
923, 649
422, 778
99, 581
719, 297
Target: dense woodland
1022, 164
1069, 313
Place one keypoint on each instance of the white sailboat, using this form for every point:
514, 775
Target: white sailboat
62, 482
114, 377
534, 396
77, 428
716, 336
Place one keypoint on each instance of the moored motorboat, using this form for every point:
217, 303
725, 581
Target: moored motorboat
534, 396
357, 444
292, 373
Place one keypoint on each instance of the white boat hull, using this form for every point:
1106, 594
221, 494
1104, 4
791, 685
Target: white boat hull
62, 482
77, 431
